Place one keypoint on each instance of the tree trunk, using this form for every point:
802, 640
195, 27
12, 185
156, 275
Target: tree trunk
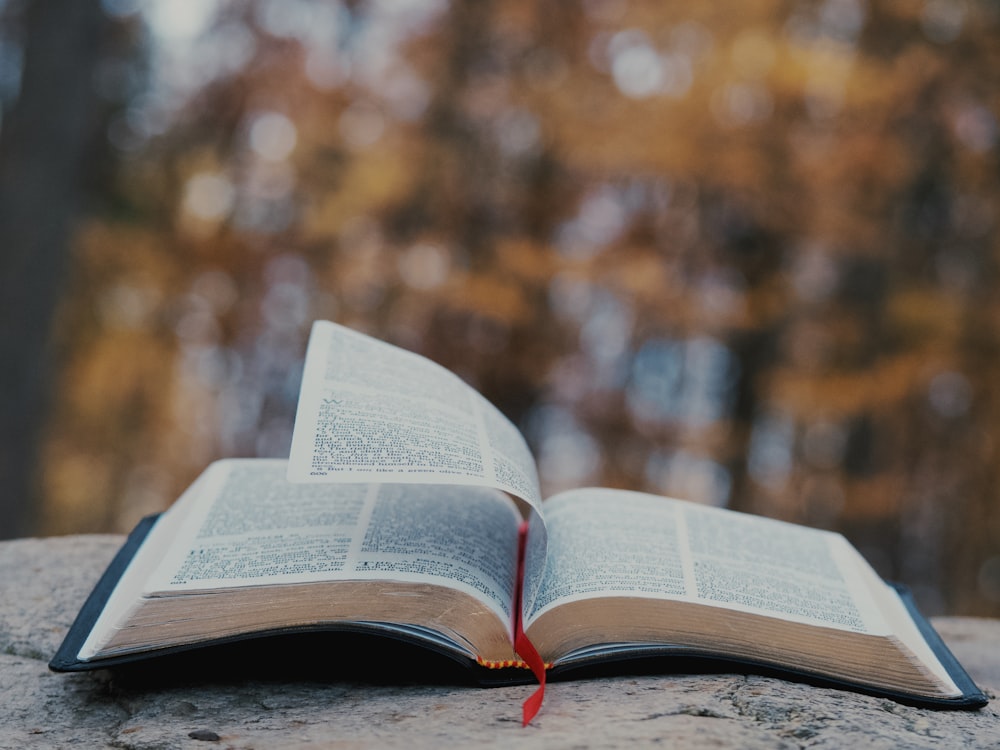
43, 141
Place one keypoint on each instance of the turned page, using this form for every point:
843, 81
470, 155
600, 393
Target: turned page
618, 543
251, 527
372, 412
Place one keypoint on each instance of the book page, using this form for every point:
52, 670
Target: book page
617, 543
372, 412
130, 586
253, 527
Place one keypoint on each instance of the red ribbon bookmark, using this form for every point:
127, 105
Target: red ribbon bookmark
522, 646
526, 650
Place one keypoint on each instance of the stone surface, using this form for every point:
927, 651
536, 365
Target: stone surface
44, 582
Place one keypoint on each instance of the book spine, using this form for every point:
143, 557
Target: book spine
507, 664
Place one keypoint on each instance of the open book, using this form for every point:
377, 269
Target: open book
395, 515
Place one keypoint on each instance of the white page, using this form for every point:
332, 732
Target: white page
241, 523
253, 527
372, 412
144, 561
618, 543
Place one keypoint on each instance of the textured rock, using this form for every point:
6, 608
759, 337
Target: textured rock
45, 581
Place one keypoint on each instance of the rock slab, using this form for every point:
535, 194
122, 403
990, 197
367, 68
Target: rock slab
44, 582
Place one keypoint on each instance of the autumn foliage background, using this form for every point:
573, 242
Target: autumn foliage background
746, 258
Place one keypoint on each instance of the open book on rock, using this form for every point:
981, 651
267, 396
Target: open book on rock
395, 515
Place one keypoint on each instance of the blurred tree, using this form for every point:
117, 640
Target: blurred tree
44, 140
